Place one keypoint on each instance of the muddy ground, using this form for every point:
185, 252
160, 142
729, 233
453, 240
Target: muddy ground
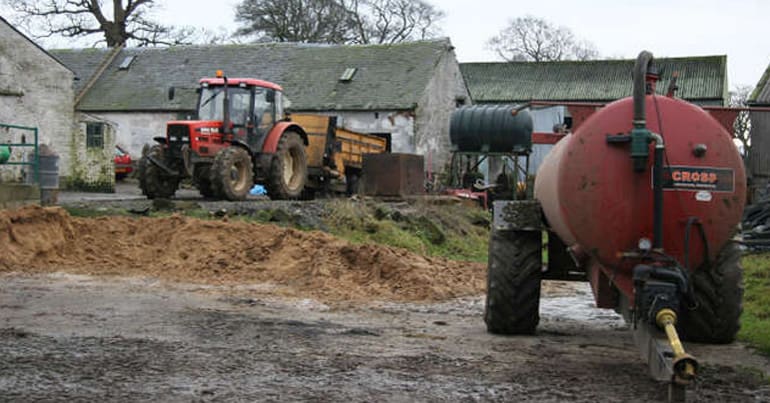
66, 337
127, 330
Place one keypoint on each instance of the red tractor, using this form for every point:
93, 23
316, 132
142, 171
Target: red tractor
240, 138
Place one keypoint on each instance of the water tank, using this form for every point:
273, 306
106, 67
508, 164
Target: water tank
491, 129
593, 198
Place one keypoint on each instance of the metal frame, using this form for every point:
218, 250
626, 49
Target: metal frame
455, 178
36, 162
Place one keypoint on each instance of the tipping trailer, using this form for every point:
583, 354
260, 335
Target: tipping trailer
242, 137
642, 200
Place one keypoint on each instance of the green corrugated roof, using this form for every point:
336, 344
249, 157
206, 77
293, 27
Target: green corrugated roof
387, 76
701, 79
761, 93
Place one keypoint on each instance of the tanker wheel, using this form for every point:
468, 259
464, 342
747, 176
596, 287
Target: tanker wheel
513, 282
232, 174
202, 179
288, 172
719, 300
154, 181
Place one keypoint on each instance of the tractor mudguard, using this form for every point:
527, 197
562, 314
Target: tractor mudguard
271, 142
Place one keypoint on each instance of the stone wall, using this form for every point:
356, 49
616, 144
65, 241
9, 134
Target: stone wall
35, 91
444, 93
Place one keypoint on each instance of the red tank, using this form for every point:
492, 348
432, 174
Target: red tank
596, 202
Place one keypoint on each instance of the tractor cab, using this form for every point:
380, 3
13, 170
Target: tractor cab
242, 109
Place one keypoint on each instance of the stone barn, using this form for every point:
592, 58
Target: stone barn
35, 91
403, 92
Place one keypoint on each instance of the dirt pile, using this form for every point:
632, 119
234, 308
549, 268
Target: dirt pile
179, 248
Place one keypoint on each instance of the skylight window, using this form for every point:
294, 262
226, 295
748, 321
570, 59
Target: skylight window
126, 63
348, 74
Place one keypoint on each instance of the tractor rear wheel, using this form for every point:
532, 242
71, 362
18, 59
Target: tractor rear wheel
513, 282
288, 172
154, 181
202, 180
232, 174
719, 300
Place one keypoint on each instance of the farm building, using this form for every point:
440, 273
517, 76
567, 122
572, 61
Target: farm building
36, 92
702, 80
404, 92
759, 155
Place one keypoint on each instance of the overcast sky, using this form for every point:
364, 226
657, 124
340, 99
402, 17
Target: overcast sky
618, 28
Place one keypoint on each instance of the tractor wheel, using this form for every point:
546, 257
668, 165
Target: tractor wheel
513, 282
288, 172
232, 174
154, 182
719, 300
202, 180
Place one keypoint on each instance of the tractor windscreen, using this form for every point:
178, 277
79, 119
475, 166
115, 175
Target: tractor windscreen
212, 102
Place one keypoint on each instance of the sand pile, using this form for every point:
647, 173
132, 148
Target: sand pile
316, 264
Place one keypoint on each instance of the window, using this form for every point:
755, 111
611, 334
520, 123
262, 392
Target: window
94, 135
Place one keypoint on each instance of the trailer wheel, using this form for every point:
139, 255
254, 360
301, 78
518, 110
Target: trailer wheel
154, 182
719, 297
202, 180
288, 171
513, 282
232, 174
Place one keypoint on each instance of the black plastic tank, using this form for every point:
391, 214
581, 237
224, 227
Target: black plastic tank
491, 129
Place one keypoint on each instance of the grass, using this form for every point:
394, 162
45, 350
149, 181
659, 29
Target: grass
451, 231
755, 322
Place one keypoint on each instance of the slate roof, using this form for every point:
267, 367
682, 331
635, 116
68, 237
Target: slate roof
388, 77
701, 79
761, 93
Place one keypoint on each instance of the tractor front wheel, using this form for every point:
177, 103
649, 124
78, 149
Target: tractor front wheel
715, 318
232, 174
202, 180
513, 282
288, 171
154, 181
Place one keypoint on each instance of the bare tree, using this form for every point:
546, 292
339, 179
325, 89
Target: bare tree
118, 21
535, 39
322, 21
338, 21
393, 21
742, 125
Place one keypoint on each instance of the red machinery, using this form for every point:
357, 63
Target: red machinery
240, 137
642, 200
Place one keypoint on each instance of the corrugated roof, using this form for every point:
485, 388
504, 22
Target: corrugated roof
387, 76
700, 79
761, 93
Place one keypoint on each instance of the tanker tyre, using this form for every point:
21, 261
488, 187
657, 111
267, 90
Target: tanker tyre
719, 300
513, 282
153, 181
288, 172
232, 174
